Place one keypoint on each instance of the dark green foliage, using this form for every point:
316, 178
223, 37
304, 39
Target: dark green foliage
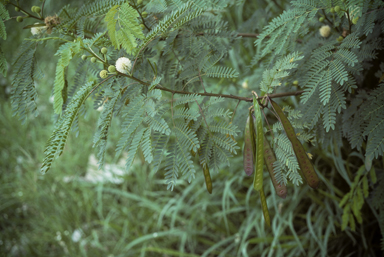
193, 61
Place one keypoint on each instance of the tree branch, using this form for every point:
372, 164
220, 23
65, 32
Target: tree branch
240, 98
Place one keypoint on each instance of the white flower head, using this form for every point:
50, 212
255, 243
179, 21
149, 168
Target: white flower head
38, 30
325, 31
123, 65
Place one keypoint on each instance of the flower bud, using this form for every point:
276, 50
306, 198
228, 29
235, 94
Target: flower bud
19, 19
144, 14
84, 57
354, 21
37, 9
139, 2
339, 39
17, 9
295, 82
112, 68
103, 74
33, 8
93, 59
142, 26
337, 8
104, 50
321, 19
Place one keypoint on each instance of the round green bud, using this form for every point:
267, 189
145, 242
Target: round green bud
142, 26
93, 59
17, 9
139, 2
295, 82
103, 74
37, 9
337, 8
339, 39
332, 10
33, 8
354, 21
19, 19
104, 50
84, 57
112, 68
321, 19
144, 14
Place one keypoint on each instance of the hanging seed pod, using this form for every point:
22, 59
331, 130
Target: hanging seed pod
308, 172
264, 206
259, 142
270, 158
247, 151
207, 176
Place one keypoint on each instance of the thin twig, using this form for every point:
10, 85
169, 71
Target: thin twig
201, 80
202, 114
233, 114
42, 9
172, 111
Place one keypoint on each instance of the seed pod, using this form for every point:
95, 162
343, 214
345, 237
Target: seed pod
305, 164
264, 206
247, 151
270, 158
259, 153
207, 176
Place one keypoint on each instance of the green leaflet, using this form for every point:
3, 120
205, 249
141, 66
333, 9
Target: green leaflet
270, 158
66, 52
259, 142
264, 206
306, 167
129, 27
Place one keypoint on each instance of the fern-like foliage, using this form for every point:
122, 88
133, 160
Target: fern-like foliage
129, 29
24, 93
66, 52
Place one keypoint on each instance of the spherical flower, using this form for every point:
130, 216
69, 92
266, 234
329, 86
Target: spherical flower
325, 31
123, 65
103, 74
38, 30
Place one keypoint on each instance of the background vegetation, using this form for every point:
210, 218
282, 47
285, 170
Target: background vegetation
63, 213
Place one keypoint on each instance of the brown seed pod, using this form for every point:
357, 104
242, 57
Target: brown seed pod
270, 158
308, 172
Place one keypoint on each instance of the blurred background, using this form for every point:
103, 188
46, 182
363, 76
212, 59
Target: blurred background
77, 210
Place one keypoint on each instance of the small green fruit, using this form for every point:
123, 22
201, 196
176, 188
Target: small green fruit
112, 68
93, 59
139, 2
37, 9
19, 19
354, 21
144, 14
332, 10
104, 50
142, 26
103, 74
84, 57
33, 8
17, 9
339, 39
337, 8
295, 82
321, 19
